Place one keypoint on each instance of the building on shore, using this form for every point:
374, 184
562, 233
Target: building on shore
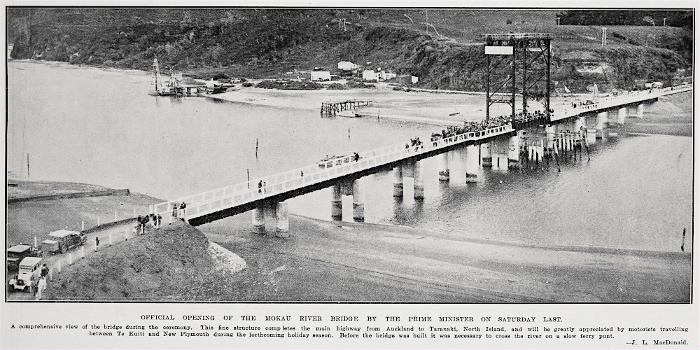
320, 75
406, 79
369, 75
347, 68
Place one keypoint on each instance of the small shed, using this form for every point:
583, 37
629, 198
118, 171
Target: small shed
369, 75
320, 75
384, 75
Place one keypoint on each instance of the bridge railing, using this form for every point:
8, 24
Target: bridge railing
238, 194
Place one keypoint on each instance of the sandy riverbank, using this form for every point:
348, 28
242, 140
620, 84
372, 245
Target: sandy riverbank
421, 107
366, 262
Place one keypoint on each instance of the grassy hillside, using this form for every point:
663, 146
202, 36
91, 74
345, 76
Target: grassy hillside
149, 267
446, 53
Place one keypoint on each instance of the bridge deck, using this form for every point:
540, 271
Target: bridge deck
603, 104
245, 193
243, 196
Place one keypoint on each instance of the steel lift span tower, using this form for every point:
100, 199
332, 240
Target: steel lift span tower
518, 63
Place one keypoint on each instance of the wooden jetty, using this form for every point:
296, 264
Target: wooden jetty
330, 109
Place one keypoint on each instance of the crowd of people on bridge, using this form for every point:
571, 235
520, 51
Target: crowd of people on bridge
179, 210
415, 143
493, 122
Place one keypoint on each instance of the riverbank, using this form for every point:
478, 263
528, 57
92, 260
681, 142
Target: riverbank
329, 261
420, 107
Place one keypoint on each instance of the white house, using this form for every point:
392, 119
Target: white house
369, 75
384, 75
414, 79
320, 75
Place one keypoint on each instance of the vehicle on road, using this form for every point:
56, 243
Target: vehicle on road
28, 276
16, 253
62, 241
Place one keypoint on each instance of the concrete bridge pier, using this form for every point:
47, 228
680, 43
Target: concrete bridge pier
358, 203
499, 151
621, 115
639, 111
259, 219
514, 152
398, 181
282, 219
486, 158
590, 136
550, 132
579, 123
418, 189
601, 123
581, 130
443, 169
472, 162
337, 203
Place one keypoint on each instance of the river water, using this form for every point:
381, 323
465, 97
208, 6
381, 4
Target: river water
100, 126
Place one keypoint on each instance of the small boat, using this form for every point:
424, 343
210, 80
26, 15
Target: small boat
170, 88
217, 89
348, 114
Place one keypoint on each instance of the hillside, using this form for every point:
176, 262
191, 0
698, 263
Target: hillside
150, 267
447, 53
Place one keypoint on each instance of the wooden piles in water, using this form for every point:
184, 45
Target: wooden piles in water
330, 109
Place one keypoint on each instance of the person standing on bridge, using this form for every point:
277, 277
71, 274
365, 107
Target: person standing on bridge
183, 206
260, 185
175, 210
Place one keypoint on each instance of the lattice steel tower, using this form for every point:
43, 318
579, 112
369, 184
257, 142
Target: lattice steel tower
518, 63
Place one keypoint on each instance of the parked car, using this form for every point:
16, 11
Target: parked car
16, 253
63, 240
28, 276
